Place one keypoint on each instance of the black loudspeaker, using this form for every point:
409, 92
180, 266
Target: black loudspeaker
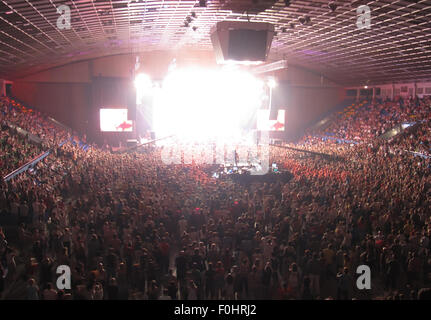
241, 40
273, 113
131, 104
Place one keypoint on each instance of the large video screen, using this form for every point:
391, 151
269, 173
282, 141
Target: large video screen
115, 120
264, 124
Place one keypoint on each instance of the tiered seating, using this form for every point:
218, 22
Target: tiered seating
15, 149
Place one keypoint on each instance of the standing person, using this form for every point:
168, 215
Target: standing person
196, 276
32, 290
266, 281
192, 291
2, 281
165, 295
392, 273
219, 279
164, 249
181, 265
314, 275
244, 270
229, 290
96, 292
182, 226
255, 283
344, 284
23, 212
210, 286
153, 290
50, 293
293, 281
306, 291
173, 289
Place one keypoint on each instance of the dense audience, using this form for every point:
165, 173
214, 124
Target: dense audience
364, 122
15, 148
133, 227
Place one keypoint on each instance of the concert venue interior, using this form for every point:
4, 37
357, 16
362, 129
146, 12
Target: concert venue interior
215, 150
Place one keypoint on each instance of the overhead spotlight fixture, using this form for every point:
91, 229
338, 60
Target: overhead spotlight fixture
287, 3
202, 3
333, 6
366, 84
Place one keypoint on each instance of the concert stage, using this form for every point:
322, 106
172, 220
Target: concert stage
242, 173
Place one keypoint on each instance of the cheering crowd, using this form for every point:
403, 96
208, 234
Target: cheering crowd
366, 123
131, 226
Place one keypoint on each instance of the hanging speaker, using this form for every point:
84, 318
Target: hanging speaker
241, 41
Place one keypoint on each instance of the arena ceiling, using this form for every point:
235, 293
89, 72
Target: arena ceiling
396, 47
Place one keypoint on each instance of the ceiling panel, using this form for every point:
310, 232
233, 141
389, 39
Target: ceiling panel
395, 48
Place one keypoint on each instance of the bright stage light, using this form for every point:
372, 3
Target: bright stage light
143, 82
199, 104
272, 83
143, 85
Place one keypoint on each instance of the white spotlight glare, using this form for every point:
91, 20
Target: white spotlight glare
272, 83
201, 104
143, 81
